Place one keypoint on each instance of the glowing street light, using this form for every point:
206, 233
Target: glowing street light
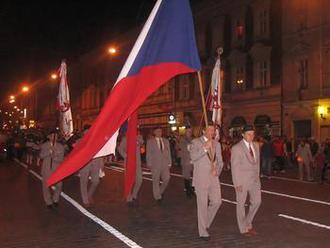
112, 50
322, 110
15, 107
53, 76
25, 89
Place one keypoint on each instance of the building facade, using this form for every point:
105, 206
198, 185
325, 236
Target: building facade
306, 68
250, 33
275, 71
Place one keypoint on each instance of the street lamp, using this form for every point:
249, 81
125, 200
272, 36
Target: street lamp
11, 99
112, 50
322, 110
53, 76
25, 89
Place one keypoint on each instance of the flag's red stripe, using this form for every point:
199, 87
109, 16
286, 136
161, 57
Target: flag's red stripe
130, 171
126, 96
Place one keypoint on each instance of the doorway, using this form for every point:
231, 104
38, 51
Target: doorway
302, 129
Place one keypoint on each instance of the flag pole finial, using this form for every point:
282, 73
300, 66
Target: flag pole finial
219, 51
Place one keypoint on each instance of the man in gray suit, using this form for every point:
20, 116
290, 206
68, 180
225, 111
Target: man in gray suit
206, 156
52, 154
132, 197
186, 164
159, 161
92, 170
245, 168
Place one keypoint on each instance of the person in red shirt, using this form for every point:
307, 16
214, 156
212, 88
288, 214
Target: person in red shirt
279, 153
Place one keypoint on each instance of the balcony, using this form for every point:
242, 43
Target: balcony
254, 95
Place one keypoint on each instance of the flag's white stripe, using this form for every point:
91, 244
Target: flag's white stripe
110, 145
304, 221
88, 214
138, 44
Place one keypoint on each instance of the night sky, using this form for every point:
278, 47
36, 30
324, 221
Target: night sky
35, 36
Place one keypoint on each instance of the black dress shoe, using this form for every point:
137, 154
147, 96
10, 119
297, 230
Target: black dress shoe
205, 238
55, 204
159, 201
50, 206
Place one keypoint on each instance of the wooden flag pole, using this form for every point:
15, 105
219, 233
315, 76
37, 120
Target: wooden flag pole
213, 167
202, 97
200, 127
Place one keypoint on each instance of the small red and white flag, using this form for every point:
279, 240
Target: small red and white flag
214, 101
63, 103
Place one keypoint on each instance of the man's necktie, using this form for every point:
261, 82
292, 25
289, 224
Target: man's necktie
251, 152
161, 144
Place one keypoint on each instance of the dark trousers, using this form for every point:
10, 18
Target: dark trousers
189, 189
324, 170
279, 163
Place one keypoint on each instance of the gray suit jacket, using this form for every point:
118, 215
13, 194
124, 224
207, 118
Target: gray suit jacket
245, 170
156, 158
202, 174
122, 148
184, 153
57, 155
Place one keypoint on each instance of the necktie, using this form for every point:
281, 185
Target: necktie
251, 152
161, 144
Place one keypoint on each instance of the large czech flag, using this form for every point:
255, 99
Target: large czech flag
166, 47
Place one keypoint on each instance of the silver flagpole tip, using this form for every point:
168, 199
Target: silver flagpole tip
219, 50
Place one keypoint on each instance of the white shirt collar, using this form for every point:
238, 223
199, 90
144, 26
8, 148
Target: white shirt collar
248, 144
205, 139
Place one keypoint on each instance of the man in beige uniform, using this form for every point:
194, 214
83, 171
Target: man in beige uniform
52, 154
92, 170
245, 167
206, 156
186, 164
159, 161
132, 197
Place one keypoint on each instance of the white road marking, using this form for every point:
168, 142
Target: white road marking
304, 221
263, 191
88, 214
102, 223
291, 180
